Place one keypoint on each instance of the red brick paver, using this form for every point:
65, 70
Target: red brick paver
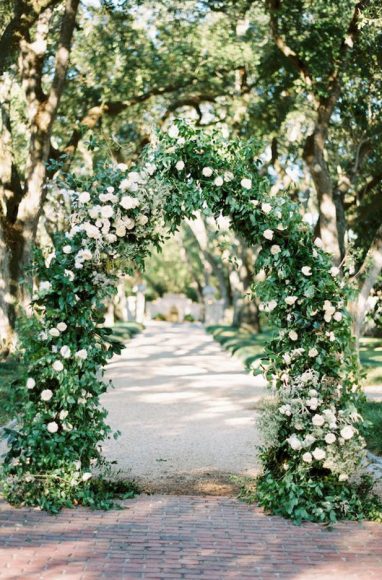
173, 537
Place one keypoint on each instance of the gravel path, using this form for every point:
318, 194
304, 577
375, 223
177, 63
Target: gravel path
186, 410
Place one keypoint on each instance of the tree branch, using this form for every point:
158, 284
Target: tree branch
334, 86
31, 62
62, 55
114, 108
298, 64
26, 13
376, 180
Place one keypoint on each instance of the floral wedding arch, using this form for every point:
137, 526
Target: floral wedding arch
312, 441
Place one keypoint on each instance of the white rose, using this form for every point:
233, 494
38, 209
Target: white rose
318, 243
129, 202
313, 352
337, 316
294, 442
58, 366
275, 249
128, 223
82, 354
306, 270
52, 427
268, 234
327, 317
150, 168
312, 403
309, 440
106, 226
330, 438
121, 167
44, 286
334, 271
290, 300
173, 131
318, 420
272, 305
63, 415
84, 255
62, 326
287, 358
94, 211
120, 231
111, 238
67, 249
343, 477
65, 351
46, 395
319, 454
218, 181
228, 176
347, 432
92, 232
107, 211
54, 332
31, 383
266, 207
84, 197
142, 220
207, 171
86, 476
69, 274
293, 335
307, 457
134, 176
180, 165
246, 183
281, 228
110, 189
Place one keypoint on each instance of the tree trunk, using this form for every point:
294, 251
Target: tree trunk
21, 204
327, 223
10, 250
373, 267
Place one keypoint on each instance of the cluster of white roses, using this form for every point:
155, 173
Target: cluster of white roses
321, 431
100, 220
104, 218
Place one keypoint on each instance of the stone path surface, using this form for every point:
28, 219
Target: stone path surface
180, 537
186, 410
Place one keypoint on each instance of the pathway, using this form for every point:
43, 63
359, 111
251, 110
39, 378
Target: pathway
180, 537
186, 410
185, 406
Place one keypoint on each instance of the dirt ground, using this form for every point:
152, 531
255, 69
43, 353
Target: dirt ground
186, 411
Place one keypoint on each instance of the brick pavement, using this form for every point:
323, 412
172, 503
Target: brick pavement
173, 537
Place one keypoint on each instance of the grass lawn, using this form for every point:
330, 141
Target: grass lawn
11, 368
249, 347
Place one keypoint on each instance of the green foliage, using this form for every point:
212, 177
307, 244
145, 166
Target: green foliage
301, 497
167, 270
372, 414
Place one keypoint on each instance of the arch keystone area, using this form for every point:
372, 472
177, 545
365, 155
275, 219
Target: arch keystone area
313, 443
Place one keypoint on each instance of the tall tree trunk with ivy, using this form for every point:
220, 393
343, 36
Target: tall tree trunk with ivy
22, 196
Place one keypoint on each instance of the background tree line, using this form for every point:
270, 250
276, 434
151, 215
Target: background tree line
303, 78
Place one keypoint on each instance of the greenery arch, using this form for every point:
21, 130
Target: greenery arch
312, 439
